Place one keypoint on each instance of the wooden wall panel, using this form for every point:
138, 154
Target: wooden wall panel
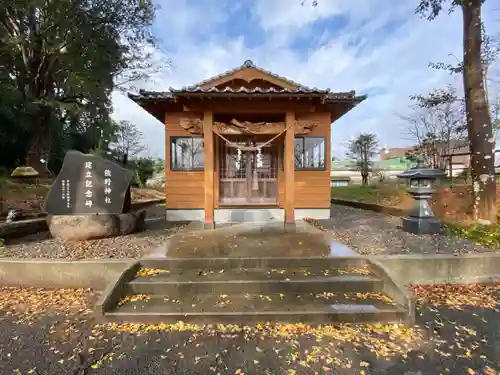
312, 188
183, 190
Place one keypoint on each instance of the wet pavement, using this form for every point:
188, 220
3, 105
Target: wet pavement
253, 240
451, 341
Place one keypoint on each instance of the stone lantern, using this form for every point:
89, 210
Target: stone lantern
421, 219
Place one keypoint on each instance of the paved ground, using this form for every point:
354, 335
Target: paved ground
370, 232
135, 245
254, 240
460, 336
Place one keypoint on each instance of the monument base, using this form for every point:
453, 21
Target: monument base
426, 225
94, 226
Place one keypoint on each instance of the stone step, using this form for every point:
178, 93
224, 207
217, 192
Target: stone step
257, 282
254, 308
346, 263
222, 274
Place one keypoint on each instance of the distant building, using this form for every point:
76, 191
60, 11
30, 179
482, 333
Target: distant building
455, 157
395, 152
343, 165
343, 173
395, 163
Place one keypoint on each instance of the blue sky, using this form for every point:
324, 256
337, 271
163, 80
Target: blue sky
376, 47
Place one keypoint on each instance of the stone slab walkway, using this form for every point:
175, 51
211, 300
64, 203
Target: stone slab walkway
373, 233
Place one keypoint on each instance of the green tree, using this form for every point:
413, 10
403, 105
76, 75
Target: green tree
479, 124
62, 57
159, 166
108, 134
143, 170
361, 149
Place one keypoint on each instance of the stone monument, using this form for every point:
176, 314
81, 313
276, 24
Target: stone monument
88, 199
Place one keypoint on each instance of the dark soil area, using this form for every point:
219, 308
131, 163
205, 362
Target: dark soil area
451, 202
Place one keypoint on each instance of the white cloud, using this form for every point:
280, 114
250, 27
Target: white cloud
360, 55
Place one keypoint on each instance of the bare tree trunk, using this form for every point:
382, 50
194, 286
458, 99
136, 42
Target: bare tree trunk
478, 117
364, 179
364, 167
40, 143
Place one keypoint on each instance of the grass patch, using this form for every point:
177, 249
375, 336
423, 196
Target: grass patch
385, 194
487, 236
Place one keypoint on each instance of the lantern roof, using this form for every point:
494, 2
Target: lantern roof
422, 172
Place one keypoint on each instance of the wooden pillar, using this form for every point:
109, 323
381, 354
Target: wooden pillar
289, 169
208, 140
168, 154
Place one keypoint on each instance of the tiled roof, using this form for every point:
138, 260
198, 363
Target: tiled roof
325, 94
247, 64
246, 90
196, 89
151, 95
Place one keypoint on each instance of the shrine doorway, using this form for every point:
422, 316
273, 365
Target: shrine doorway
248, 177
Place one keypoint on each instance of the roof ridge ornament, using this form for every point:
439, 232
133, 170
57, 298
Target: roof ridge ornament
248, 64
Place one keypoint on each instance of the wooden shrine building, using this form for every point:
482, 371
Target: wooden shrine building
247, 144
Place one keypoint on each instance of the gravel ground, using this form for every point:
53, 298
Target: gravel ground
373, 233
450, 338
137, 245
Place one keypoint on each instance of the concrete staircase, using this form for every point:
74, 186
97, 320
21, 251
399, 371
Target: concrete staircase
253, 290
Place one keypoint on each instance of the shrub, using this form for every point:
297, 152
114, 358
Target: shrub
487, 236
4, 172
143, 170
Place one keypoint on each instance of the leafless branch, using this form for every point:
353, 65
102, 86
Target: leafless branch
128, 139
436, 131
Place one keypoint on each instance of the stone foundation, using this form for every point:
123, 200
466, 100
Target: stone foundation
240, 215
